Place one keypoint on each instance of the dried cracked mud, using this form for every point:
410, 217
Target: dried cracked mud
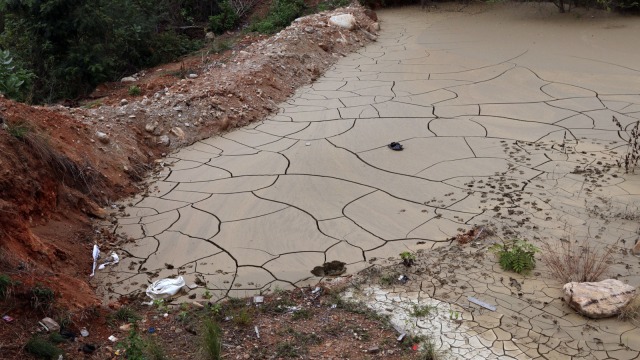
505, 115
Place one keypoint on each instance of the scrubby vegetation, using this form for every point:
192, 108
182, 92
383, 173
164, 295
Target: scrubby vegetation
570, 261
516, 255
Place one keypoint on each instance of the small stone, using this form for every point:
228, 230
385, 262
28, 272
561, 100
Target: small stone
164, 140
210, 35
193, 76
309, 30
177, 132
373, 350
104, 138
375, 26
124, 102
150, 127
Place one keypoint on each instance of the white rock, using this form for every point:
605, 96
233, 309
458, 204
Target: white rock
193, 76
150, 127
178, 132
50, 324
598, 299
128, 79
346, 21
104, 138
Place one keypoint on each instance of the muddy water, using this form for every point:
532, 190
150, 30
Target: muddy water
505, 114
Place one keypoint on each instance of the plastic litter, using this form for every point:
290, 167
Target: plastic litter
258, 299
88, 348
403, 279
112, 338
111, 260
481, 303
8, 319
165, 288
396, 146
152, 330
257, 332
96, 256
84, 332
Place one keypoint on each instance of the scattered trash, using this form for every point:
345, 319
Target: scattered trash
257, 332
112, 338
84, 332
228, 318
292, 309
60, 357
96, 256
396, 146
166, 315
193, 286
49, 324
401, 337
481, 303
164, 288
333, 306
68, 334
415, 347
88, 348
152, 330
111, 260
118, 352
403, 279
316, 290
197, 304
8, 319
258, 299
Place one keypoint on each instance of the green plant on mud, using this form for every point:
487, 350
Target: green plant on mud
42, 348
422, 310
407, 258
515, 255
211, 340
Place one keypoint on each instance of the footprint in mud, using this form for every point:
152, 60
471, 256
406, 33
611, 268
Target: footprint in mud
333, 268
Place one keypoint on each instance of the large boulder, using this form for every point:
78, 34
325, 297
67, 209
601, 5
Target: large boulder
346, 21
598, 299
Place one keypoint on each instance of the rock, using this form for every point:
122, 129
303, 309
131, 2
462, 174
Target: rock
128, 79
373, 350
371, 14
104, 138
345, 21
333, 268
210, 35
374, 27
636, 249
309, 30
124, 102
150, 127
164, 140
193, 76
177, 132
50, 324
369, 35
598, 299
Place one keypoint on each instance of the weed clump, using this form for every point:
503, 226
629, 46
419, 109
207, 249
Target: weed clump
42, 348
569, 261
42, 298
211, 340
516, 255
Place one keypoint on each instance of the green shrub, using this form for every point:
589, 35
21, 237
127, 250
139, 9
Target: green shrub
226, 20
134, 90
516, 255
42, 297
332, 4
126, 314
42, 349
280, 15
422, 311
6, 283
14, 80
212, 340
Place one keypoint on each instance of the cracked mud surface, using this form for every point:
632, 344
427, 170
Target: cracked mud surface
502, 120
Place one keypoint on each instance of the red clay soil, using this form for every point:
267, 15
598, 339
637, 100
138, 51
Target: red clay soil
61, 167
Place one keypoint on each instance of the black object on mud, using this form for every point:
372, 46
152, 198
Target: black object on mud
396, 146
333, 268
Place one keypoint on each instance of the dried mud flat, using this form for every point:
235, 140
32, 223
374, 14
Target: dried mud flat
505, 114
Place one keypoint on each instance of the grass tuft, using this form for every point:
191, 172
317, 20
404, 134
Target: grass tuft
212, 340
571, 261
42, 348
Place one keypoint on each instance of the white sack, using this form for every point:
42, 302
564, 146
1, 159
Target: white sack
165, 288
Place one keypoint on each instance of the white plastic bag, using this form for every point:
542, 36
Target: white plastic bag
111, 260
164, 288
96, 256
